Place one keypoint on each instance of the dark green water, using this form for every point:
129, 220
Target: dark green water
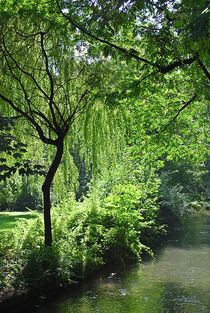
178, 281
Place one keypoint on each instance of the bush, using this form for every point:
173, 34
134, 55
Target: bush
85, 236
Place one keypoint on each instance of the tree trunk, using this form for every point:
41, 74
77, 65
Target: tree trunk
46, 192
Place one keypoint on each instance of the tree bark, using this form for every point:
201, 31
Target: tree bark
46, 192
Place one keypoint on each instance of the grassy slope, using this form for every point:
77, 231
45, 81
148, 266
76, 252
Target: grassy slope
9, 219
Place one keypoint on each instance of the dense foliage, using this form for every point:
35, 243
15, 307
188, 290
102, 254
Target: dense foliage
86, 236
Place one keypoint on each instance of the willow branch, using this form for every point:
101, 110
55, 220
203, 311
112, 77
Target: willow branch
25, 72
51, 80
27, 98
29, 118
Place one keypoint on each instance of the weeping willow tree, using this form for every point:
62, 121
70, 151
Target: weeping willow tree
48, 82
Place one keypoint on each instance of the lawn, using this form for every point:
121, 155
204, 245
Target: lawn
9, 219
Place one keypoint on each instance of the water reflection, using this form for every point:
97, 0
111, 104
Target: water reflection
178, 281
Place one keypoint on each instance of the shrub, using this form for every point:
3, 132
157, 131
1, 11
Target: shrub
85, 236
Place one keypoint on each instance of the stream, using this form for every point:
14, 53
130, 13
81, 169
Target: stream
177, 281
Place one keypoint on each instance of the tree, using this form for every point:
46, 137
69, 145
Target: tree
50, 88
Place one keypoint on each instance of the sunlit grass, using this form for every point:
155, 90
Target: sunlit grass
9, 219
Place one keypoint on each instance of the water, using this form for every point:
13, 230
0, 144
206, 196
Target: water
177, 281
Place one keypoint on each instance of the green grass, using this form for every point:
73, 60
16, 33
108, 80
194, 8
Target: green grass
9, 219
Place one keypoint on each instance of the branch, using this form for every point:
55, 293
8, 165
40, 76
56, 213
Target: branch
70, 79
131, 52
32, 112
84, 106
16, 117
28, 36
56, 129
170, 67
50, 79
186, 104
51, 102
86, 92
204, 69
88, 33
25, 72
76, 110
30, 119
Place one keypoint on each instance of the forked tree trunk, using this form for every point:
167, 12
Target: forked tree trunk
46, 192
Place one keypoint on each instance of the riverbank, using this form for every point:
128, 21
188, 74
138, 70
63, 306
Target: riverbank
176, 280
17, 299
87, 236
12, 302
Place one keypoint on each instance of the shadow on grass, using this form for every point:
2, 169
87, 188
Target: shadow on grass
9, 219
